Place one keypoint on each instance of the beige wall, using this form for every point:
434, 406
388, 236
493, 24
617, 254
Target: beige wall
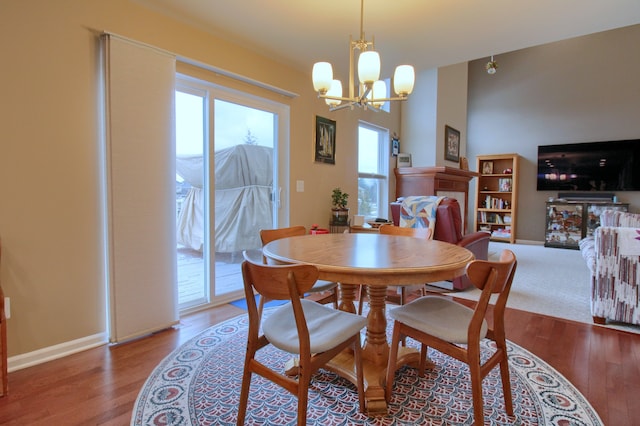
51, 214
579, 90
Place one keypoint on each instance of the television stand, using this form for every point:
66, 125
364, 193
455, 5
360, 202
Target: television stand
570, 221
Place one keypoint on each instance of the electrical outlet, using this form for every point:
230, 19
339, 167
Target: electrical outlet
7, 308
299, 186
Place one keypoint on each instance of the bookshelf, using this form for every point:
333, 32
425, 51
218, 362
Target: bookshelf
496, 203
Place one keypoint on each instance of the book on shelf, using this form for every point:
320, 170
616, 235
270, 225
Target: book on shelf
501, 233
495, 203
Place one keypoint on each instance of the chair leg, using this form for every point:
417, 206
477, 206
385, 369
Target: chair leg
357, 355
506, 382
244, 395
304, 379
363, 292
393, 357
423, 359
403, 295
476, 392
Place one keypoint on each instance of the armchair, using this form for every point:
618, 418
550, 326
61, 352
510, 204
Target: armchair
613, 258
448, 228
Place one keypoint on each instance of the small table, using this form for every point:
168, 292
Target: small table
363, 229
377, 261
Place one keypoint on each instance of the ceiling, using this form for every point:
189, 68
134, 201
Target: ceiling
424, 33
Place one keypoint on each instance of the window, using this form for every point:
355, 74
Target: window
373, 168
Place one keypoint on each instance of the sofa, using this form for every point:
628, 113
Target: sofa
612, 255
448, 228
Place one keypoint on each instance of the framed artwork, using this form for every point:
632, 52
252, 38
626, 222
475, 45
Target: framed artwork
325, 143
487, 167
451, 144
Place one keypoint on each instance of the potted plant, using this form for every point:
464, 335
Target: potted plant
339, 211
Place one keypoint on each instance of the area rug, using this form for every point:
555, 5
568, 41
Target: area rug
199, 384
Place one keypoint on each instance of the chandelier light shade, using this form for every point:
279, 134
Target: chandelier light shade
369, 67
371, 91
403, 80
334, 94
322, 77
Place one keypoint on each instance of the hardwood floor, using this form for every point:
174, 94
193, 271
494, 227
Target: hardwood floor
99, 386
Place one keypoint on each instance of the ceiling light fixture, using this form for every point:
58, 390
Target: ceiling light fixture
372, 91
492, 66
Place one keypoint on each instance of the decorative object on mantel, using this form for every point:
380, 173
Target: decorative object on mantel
491, 66
372, 92
464, 163
404, 160
339, 212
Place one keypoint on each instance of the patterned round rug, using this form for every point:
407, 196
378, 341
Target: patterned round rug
199, 384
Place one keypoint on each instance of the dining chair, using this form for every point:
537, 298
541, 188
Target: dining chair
456, 330
314, 332
321, 286
389, 229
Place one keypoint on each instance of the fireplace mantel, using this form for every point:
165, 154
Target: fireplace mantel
439, 180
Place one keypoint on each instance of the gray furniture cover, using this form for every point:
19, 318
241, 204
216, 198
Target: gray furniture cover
243, 181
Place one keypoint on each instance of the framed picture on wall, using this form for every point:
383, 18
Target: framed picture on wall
451, 144
325, 143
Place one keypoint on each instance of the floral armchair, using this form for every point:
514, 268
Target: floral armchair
613, 258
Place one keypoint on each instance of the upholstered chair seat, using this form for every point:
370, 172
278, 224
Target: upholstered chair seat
327, 327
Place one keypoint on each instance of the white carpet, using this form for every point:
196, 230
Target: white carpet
548, 281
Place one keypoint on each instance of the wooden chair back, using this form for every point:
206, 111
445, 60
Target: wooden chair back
407, 232
268, 235
277, 282
491, 278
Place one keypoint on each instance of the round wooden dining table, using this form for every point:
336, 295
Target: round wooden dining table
376, 261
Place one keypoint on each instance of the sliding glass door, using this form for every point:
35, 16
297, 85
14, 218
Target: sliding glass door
227, 183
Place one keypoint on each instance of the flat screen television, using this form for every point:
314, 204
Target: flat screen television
593, 166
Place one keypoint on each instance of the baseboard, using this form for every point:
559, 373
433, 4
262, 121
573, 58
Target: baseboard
530, 242
441, 285
527, 242
50, 353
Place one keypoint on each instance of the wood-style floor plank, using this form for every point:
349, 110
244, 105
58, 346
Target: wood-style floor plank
99, 386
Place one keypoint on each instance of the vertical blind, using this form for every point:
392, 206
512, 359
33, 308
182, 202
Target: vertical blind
140, 187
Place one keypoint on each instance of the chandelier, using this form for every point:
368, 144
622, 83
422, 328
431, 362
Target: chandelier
372, 92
